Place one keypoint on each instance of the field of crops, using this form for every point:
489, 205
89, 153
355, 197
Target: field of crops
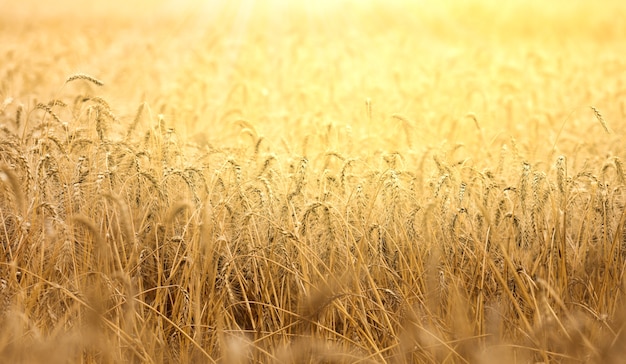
312, 182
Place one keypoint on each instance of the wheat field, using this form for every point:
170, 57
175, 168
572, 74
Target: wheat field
312, 182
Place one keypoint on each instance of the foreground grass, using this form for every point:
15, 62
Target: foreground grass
379, 197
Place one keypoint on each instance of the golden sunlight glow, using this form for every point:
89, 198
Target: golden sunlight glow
274, 181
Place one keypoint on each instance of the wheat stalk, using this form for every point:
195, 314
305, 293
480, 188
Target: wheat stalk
8, 176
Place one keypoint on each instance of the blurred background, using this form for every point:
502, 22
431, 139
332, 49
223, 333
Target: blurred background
519, 67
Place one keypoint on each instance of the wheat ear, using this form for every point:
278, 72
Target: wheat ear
82, 76
596, 112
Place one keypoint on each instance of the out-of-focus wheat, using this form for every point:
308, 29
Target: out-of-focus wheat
301, 227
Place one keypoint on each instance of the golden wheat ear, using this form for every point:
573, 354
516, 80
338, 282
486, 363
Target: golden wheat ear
598, 116
82, 76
